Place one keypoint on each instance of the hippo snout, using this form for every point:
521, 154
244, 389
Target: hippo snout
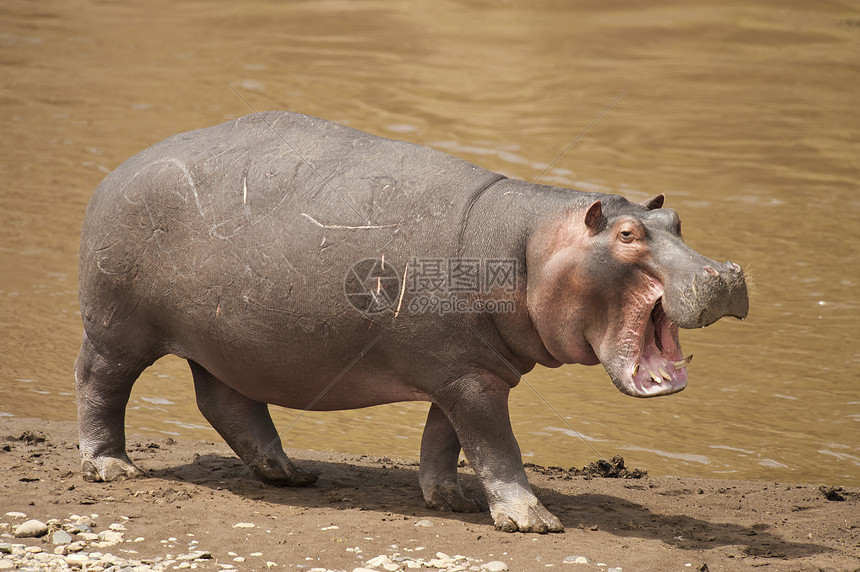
714, 291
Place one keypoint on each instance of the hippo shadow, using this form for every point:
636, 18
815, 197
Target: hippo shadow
624, 518
392, 488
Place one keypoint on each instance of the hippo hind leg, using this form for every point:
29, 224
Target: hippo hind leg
437, 473
247, 427
103, 384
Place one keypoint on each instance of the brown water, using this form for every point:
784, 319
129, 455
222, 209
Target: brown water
745, 114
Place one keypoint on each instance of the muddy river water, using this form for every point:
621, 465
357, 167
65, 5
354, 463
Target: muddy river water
745, 114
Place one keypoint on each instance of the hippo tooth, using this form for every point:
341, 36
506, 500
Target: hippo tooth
655, 378
635, 369
683, 362
662, 372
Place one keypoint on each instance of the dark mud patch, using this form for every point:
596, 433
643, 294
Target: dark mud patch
612, 469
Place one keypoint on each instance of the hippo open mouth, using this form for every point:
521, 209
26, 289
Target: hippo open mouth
662, 368
656, 366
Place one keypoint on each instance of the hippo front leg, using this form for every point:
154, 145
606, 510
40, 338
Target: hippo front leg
437, 473
477, 407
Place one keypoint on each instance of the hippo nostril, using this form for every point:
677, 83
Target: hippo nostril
734, 267
711, 271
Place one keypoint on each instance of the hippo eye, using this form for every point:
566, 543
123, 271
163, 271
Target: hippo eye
626, 236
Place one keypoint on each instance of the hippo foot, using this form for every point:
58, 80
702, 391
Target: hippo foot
531, 517
288, 475
450, 498
106, 469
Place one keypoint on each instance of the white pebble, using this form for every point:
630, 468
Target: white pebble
384, 562
77, 559
330, 528
110, 537
494, 566
31, 529
244, 525
14, 514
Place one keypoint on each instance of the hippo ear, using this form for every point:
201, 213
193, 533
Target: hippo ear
655, 203
594, 219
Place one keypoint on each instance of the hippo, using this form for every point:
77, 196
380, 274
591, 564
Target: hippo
298, 262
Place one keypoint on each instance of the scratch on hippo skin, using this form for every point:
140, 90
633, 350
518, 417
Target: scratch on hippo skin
188, 178
100, 248
348, 227
402, 290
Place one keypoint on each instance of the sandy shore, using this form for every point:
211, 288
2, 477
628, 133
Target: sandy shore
368, 512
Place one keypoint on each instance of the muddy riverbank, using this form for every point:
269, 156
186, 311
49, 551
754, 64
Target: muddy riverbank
198, 508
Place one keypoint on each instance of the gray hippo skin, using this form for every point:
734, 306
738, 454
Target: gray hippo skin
230, 246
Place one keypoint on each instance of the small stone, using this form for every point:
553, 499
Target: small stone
61, 537
239, 559
362, 569
5, 548
6, 564
244, 525
256, 554
75, 546
424, 522
330, 528
33, 549
617, 569
494, 566
82, 527
77, 559
62, 550
31, 529
15, 514
110, 537
117, 527
271, 564
197, 554
90, 536
575, 560
384, 562
85, 520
